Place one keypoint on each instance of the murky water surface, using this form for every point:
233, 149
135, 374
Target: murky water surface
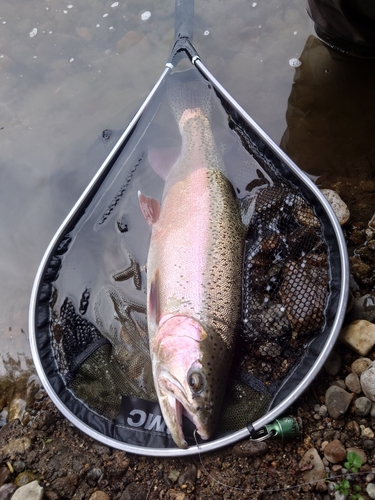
70, 70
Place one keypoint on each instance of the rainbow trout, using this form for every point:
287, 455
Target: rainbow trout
194, 271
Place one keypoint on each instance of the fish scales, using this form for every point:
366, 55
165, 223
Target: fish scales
194, 271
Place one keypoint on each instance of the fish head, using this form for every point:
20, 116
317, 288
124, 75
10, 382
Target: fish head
189, 375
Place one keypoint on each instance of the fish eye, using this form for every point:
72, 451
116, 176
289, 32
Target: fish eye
195, 381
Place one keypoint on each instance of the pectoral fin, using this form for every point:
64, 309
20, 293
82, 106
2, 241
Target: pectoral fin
150, 208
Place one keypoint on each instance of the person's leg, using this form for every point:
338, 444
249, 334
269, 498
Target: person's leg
345, 25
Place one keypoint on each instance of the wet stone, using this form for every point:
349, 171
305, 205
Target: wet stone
353, 384
362, 406
368, 381
335, 452
359, 336
337, 401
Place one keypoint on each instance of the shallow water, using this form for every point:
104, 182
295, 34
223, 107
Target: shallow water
70, 71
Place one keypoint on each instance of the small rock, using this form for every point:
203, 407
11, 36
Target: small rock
363, 308
359, 336
23, 478
337, 401
311, 466
66, 485
250, 448
19, 445
339, 383
338, 206
370, 490
7, 490
187, 478
353, 428
19, 465
99, 495
368, 444
335, 452
359, 452
362, 406
369, 477
366, 432
333, 364
31, 491
93, 476
368, 381
323, 412
4, 475
360, 365
353, 384
135, 491
372, 412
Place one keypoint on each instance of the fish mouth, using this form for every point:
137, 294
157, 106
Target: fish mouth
176, 404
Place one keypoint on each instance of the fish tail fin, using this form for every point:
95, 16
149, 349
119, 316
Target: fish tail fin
189, 99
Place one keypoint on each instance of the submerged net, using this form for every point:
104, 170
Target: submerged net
93, 308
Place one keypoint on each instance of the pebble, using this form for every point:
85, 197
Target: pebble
360, 365
333, 364
323, 412
338, 206
368, 381
366, 432
31, 491
4, 475
99, 495
314, 466
368, 444
359, 452
362, 406
363, 308
337, 401
370, 490
23, 478
19, 445
335, 452
250, 448
353, 384
359, 336
372, 412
